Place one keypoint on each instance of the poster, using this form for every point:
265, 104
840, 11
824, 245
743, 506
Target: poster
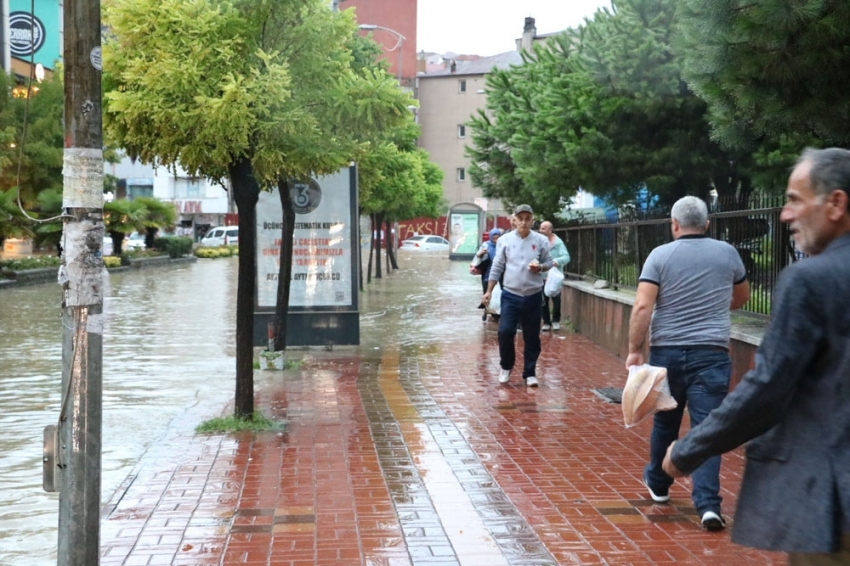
36, 35
324, 244
463, 233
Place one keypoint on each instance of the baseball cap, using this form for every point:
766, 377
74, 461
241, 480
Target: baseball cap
523, 208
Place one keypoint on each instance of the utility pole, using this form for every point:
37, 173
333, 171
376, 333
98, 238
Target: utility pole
78, 450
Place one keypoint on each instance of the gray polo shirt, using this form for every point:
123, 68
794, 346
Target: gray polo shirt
695, 275
513, 254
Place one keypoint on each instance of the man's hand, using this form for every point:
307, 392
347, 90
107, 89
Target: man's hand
634, 359
485, 300
669, 468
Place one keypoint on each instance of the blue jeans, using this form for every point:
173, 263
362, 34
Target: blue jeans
517, 309
698, 377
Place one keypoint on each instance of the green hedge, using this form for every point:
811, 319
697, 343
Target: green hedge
174, 246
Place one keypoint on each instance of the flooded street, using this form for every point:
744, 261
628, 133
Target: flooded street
168, 347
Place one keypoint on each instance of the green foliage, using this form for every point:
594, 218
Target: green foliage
111, 261
220, 251
13, 223
603, 108
40, 163
174, 246
252, 423
34, 262
773, 73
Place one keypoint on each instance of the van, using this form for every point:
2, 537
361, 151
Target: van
221, 236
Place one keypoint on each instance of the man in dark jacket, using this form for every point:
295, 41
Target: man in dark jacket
793, 408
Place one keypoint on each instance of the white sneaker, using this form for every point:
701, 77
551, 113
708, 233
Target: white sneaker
556, 326
531, 381
504, 375
545, 327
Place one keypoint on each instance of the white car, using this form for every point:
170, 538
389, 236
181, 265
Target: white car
221, 236
134, 241
426, 243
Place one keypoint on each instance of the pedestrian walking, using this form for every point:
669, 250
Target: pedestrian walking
793, 409
684, 295
487, 252
520, 258
560, 258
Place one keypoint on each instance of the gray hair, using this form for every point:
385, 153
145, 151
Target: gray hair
830, 169
690, 212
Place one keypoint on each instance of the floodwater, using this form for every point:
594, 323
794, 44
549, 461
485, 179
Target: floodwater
168, 363
168, 347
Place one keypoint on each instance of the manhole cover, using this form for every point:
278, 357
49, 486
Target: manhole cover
610, 394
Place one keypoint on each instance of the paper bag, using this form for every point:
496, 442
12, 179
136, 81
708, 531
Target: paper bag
646, 392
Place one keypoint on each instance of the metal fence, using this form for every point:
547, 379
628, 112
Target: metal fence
616, 252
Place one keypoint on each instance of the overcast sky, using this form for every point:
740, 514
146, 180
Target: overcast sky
489, 27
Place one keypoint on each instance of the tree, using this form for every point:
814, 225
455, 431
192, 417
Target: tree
231, 90
773, 73
602, 107
121, 217
158, 215
36, 165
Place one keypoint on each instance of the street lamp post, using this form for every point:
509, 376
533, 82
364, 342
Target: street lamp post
398, 44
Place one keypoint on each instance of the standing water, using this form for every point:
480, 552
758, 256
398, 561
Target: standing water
168, 345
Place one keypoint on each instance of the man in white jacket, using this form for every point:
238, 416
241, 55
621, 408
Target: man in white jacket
521, 255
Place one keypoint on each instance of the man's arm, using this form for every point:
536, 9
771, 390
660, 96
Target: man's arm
647, 293
740, 294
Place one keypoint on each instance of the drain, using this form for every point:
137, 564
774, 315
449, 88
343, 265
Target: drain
610, 394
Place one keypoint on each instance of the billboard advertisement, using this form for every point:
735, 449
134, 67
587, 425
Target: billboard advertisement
463, 232
324, 249
35, 35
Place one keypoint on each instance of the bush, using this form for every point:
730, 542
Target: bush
255, 423
35, 262
174, 246
112, 261
221, 251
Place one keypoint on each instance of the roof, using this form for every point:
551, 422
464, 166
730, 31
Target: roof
480, 66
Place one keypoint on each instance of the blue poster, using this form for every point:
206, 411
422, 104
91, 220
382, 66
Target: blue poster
35, 36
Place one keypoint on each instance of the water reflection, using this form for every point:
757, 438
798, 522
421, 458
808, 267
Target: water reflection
168, 345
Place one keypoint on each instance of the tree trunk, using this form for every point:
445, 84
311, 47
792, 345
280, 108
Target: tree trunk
284, 274
371, 247
391, 246
246, 192
379, 220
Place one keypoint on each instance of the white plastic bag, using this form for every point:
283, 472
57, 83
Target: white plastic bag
554, 281
495, 306
646, 392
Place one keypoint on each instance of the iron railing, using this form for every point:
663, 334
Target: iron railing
616, 251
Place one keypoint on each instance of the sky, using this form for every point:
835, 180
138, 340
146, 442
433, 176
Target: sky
489, 27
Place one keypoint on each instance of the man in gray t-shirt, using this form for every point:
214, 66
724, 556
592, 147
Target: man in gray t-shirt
684, 296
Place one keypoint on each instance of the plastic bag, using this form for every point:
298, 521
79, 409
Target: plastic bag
495, 306
554, 281
646, 392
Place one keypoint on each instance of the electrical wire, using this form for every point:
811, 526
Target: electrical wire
24, 126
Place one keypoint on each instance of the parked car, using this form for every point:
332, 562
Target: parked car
426, 243
134, 241
221, 236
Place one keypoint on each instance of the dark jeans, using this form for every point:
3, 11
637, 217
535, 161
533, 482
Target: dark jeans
556, 309
698, 377
525, 311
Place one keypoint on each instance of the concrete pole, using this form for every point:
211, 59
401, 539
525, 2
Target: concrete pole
82, 278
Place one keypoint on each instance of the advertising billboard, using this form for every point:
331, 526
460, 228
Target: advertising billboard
35, 35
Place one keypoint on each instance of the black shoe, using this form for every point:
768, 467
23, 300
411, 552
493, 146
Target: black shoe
658, 496
712, 521
484, 317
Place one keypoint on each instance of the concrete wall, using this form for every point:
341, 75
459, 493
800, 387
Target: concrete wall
603, 316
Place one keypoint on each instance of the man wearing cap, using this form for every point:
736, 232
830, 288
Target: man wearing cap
521, 255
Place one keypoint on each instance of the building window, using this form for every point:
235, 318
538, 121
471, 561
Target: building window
461, 131
461, 174
461, 86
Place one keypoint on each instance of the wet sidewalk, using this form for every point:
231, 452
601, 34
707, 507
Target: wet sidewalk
407, 451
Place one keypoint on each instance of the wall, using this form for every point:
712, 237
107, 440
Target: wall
397, 15
603, 316
442, 108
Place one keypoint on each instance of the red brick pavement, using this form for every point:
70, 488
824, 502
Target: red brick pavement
410, 452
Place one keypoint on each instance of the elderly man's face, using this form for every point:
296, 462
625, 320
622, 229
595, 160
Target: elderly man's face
523, 223
546, 229
807, 213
